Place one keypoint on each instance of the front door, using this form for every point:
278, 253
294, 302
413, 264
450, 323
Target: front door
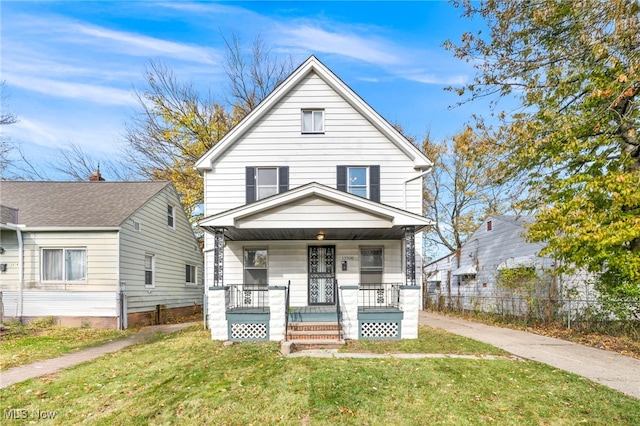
322, 274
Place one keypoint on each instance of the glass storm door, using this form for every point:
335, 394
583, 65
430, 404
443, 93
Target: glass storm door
322, 272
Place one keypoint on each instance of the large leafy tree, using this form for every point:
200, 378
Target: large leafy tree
574, 68
461, 191
177, 123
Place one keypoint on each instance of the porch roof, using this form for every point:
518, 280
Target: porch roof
304, 212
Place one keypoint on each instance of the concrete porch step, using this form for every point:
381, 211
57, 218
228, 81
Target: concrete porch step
299, 345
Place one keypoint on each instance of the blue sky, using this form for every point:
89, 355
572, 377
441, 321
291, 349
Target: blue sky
71, 67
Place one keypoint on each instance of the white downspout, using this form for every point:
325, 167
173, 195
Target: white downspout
18, 229
404, 185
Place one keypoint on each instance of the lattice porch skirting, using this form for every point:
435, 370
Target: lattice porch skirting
248, 327
379, 325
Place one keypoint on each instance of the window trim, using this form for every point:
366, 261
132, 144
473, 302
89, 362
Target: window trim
153, 270
194, 275
64, 279
171, 215
366, 184
312, 131
376, 269
245, 267
276, 186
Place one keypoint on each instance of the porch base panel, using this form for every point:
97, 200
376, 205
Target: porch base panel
217, 302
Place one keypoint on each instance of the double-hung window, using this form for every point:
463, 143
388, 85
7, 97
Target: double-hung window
363, 181
262, 182
149, 270
171, 210
371, 265
190, 275
266, 182
312, 121
64, 265
256, 267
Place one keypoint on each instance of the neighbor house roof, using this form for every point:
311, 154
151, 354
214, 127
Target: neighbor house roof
76, 204
313, 65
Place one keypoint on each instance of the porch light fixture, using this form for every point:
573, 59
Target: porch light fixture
320, 236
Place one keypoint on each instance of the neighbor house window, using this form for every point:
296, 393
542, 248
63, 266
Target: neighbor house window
371, 261
255, 266
149, 270
64, 265
262, 182
171, 216
312, 121
190, 271
363, 181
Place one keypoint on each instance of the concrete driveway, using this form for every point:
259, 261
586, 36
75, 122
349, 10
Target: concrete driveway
610, 369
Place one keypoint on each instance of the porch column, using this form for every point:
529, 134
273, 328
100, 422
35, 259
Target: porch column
349, 307
218, 257
410, 255
410, 306
217, 302
277, 302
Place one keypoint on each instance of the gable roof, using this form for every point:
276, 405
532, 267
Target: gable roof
313, 65
76, 204
378, 216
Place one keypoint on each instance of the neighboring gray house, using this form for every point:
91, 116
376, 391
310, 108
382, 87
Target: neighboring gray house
104, 254
497, 244
313, 213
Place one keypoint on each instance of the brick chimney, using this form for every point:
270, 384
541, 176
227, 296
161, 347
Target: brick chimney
96, 176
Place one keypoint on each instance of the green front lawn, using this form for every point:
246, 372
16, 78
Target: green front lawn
39, 340
185, 378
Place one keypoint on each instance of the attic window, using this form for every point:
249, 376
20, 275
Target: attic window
313, 121
489, 226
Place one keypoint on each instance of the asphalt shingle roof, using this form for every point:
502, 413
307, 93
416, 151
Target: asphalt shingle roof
76, 204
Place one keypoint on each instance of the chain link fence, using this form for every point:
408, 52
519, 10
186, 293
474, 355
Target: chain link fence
584, 315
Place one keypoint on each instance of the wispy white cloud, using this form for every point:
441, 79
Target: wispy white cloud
74, 90
343, 43
141, 45
430, 78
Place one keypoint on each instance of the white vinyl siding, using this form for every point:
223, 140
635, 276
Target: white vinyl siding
172, 250
276, 140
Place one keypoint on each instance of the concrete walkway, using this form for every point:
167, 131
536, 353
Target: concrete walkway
53, 365
610, 369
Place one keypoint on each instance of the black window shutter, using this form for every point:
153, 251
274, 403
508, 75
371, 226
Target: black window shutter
374, 183
341, 172
251, 184
283, 179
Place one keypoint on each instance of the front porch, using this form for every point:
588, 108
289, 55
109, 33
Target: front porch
368, 311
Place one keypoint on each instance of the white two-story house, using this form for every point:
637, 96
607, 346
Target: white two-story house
313, 214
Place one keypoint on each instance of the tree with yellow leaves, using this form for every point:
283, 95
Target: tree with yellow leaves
574, 67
